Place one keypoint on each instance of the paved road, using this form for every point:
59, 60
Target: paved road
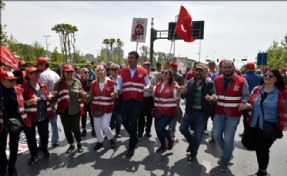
146, 162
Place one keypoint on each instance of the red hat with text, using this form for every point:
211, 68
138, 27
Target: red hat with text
7, 75
68, 67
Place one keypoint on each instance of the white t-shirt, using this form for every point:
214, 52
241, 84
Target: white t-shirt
49, 77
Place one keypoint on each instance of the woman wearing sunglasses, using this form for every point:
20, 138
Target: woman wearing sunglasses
268, 103
39, 111
86, 81
166, 94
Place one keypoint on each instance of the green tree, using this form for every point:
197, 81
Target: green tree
56, 56
3, 35
144, 53
67, 39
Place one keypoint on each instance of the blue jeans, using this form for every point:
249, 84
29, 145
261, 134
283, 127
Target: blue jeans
199, 122
55, 130
224, 129
130, 113
160, 128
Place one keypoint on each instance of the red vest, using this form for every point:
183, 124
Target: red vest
32, 110
133, 88
64, 98
165, 99
229, 100
103, 100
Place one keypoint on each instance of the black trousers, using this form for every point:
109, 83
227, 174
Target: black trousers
84, 117
263, 145
13, 146
130, 114
43, 131
71, 124
147, 106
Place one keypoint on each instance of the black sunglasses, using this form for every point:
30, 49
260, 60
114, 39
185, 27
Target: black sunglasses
114, 69
269, 76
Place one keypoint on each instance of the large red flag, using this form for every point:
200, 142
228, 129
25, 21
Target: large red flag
7, 57
183, 25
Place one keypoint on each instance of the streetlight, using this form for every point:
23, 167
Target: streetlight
46, 36
213, 55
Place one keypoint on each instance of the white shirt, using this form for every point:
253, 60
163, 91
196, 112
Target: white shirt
49, 77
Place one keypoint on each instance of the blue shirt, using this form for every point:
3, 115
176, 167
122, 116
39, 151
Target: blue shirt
270, 108
253, 79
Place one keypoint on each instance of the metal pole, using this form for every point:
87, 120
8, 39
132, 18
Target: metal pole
199, 52
46, 36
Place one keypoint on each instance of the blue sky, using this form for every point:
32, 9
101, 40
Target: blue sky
236, 29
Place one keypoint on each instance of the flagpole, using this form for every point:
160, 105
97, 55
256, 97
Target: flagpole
174, 33
137, 46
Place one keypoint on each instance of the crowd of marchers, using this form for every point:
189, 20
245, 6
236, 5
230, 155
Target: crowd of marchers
136, 97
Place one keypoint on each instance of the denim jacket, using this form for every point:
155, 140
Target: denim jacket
270, 108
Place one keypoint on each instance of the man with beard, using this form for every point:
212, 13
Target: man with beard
231, 93
197, 110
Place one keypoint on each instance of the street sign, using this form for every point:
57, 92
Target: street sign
197, 30
262, 59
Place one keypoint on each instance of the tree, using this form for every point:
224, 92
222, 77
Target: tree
67, 39
144, 53
3, 34
56, 56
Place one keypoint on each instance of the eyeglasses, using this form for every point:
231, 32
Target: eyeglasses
114, 69
269, 76
85, 72
164, 73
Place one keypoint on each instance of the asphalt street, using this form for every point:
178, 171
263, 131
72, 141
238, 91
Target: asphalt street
107, 162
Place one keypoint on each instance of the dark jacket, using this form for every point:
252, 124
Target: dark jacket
207, 88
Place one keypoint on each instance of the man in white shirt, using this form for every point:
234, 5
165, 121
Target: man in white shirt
49, 77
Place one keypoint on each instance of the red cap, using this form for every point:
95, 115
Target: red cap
8, 75
41, 60
31, 70
173, 64
146, 63
21, 62
250, 65
283, 69
68, 67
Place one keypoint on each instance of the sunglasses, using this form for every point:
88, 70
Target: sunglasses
164, 73
269, 76
85, 72
69, 71
100, 71
114, 69
12, 80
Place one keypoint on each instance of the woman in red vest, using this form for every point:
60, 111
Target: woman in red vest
70, 107
11, 106
39, 112
101, 91
165, 99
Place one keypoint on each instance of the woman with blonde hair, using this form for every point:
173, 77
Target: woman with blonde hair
102, 105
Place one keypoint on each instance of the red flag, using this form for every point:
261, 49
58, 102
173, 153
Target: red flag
183, 25
7, 57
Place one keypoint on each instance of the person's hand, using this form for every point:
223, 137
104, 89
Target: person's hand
32, 101
114, 94
207, 97
213, 97
150, 89
50, 96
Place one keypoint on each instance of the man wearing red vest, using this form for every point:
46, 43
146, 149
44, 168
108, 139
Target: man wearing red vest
231, 93
132, 82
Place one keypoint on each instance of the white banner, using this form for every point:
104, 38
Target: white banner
139, 30
181, 65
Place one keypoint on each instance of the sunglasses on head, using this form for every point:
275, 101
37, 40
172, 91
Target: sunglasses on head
164, 72
269, 76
